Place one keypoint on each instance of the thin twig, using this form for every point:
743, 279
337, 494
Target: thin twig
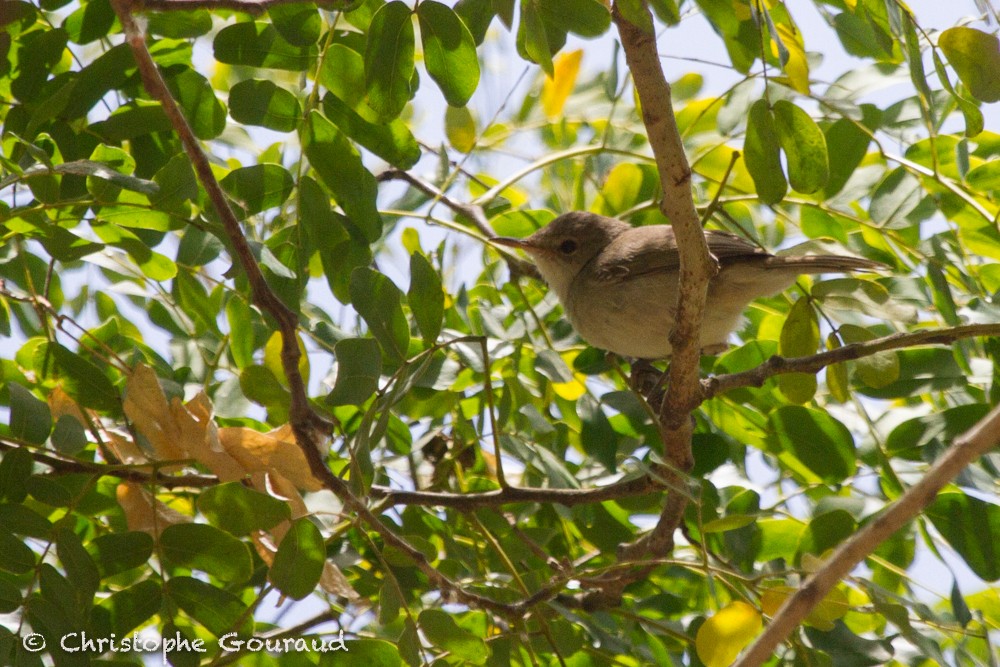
755, 377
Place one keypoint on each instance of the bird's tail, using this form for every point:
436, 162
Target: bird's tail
825, 263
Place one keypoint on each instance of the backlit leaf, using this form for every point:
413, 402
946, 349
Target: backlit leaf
721, 638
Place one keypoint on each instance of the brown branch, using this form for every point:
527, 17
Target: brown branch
978, 440
755, 377
306, 424
463, 502
467, 502
132, 473
473, 212
697, 266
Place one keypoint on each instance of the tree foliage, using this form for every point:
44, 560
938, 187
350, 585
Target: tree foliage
258, 355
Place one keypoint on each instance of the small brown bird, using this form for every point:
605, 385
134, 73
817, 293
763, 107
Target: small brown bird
618, 283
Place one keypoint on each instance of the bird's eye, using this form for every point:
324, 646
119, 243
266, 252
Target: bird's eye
567, 247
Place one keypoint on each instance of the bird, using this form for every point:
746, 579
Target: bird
618, 283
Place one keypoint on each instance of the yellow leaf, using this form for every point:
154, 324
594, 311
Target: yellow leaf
145, 513
460, 128
831, 608
151, 415
721, 638
60, 403
275, 450
622, 188
556, 90
273, 362
797, 67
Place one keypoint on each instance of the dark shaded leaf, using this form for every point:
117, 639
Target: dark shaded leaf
816, 439
298, 565
239, 510
202, 547
389, 59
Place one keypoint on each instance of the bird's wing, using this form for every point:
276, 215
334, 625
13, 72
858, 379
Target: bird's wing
725, 246
638, 252
653, 249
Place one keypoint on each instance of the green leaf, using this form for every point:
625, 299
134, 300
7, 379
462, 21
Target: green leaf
22, 520
79, 377
299, 24
202, 547
532, 41
391, 141
92, 21
258, 188
30, 418
264, 103
343, 74
460, 128
126, 609
378, 301
339, 166
69, 436
16, 557
10, 597
80, 567
799, 338
239, 510
426, 297
261, 386
389, 59
825, 532
597, 436
972, 527
587, 18
15, 469
115, 553
46, 490
197, 99
816, 439
762, 155
449, 51
218, 610
975, 55
896, 197
373, 652
259, 44
442, 630
359, 366
242, 343
804, 146
298, 565
180, 24
849, 143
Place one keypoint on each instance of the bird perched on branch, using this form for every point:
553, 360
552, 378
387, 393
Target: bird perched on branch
618, 283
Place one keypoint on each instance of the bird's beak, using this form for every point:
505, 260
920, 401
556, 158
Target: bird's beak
510, 242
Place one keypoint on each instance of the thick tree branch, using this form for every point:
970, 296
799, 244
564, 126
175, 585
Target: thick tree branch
755, 377
982, 437
697, 265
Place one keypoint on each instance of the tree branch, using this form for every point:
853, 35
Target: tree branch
755, 377
306, 424
467, 502
969, 446
697, 266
